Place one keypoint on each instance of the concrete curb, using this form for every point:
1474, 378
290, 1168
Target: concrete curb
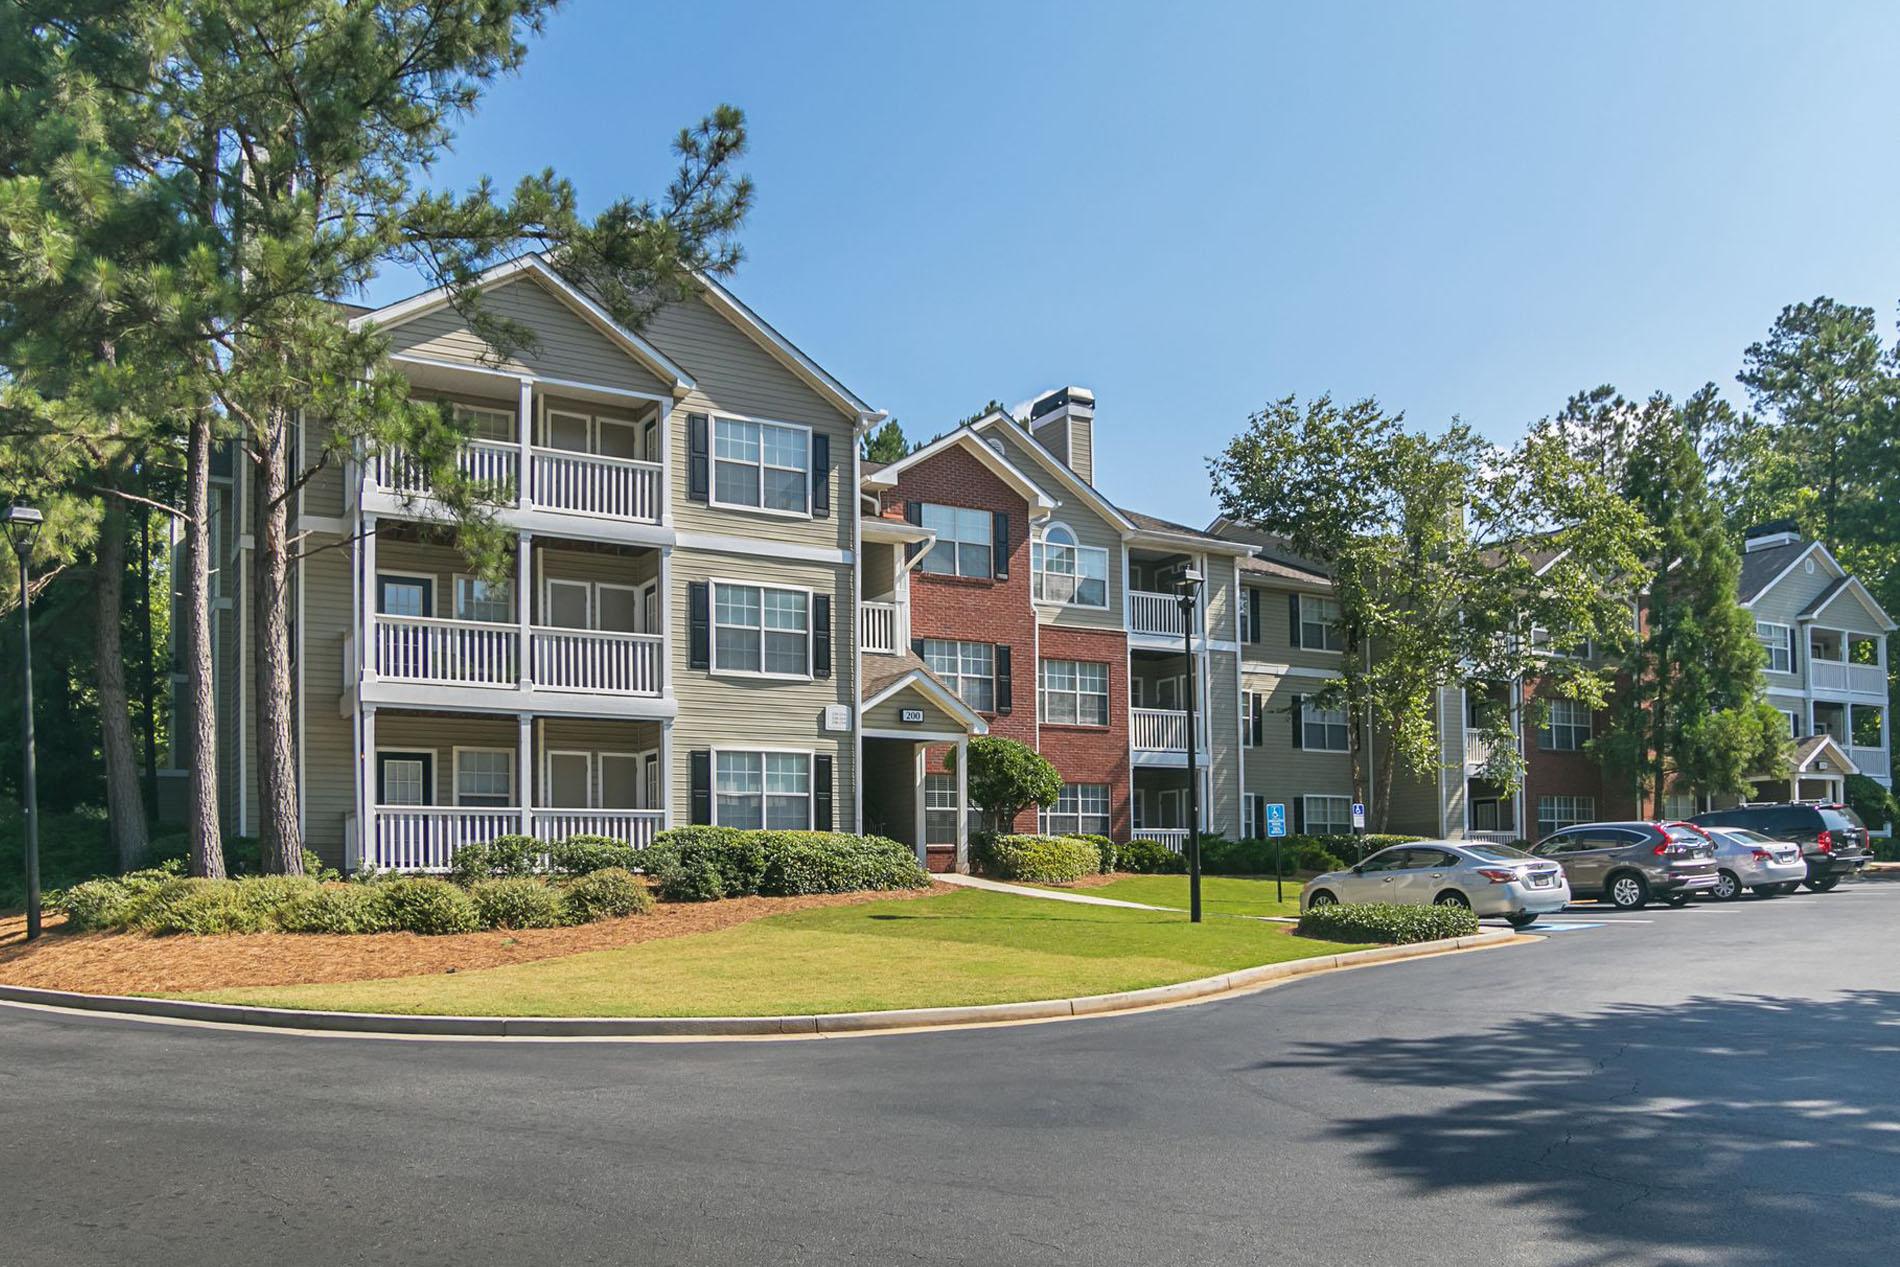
375, 1023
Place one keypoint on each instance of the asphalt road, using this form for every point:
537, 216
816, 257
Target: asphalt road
1714, 1084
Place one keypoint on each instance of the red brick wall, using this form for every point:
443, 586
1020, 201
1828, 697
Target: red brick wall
1094, 754
1571, 774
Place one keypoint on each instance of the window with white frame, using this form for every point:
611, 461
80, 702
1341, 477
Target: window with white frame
766, 465
1323, 729
1081, 809
1540, 642
1566, 726
1680, 805
495, 425
1319, 623
1326, 815
759, 629
762, 790
484, 776
1778, 640
940, 809
1253, 816
1794, 722
1074, 693
1066, 572
964, 541
1554, 813
968, 668
478, 599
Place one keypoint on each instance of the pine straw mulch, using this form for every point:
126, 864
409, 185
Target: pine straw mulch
134, 963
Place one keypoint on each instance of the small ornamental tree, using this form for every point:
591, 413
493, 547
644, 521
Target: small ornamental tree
1006, 778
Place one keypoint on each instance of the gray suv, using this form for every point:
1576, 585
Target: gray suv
1631, 864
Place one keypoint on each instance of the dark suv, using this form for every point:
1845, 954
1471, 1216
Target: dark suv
1631, 863
1833, 840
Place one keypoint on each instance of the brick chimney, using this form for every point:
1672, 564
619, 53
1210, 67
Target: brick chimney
1063, 422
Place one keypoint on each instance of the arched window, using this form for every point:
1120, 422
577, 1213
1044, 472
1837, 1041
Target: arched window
1067, 572
1058, 535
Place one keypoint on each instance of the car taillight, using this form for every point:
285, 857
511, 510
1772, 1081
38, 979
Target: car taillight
1762, 855
1661, 849
1497, 875
1825, 841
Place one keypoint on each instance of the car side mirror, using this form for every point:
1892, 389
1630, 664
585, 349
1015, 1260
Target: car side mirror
1358, 868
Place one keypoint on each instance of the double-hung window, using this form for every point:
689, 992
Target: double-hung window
762, 790
1322, 729
1074, 693
1326, 815
968, 668
1554, 813
940, 809
1319, 624
477, 599
1779, 642
484, 776
1566, 728
1081, 809
761, 464
759, 629
964, 541
1068, 573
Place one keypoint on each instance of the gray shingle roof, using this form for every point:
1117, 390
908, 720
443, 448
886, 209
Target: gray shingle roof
1762, 566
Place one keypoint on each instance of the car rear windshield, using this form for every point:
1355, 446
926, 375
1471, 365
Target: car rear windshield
1503, 853
1746, 836
1685, 835
1840, 818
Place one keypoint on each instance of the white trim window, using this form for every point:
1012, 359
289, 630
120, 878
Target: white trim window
1778, 641
1323, 729
1326, 815
1253, 816
1566, 726
940, 809
1081, 809
762, 630
490, 601
968, 668
1074, 693
965, 544
1319, 623
770, 790
496, 426
1065, 572
485, 777
1554, 813
1794, 722
1540, 642
761, 466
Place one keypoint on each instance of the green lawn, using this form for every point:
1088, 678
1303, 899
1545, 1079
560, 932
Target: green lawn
961, 948
1220, 894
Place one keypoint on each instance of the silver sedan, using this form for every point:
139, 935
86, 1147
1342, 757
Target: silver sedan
1747, 859
1484, 878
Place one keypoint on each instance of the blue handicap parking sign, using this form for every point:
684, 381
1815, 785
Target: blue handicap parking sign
1276, 818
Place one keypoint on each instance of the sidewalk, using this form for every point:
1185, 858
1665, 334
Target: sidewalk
1052, 895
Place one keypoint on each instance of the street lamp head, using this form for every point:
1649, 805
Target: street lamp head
23, 528
1189, 582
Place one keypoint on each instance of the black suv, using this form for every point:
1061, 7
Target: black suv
1833, 840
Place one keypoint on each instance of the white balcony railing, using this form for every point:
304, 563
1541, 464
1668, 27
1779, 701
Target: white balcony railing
1174, 838
1477, 750
1153, 613
1492, 837
1157, 730
1872, 761
592, 484
595, 661
447, 652
1834, 675
487, 461
636, 827
877, 627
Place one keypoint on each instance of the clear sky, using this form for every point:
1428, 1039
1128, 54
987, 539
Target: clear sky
1463, 209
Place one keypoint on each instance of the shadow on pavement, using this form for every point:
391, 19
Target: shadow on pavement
1741, 1128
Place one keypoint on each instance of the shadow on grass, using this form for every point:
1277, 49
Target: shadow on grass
1741, 1129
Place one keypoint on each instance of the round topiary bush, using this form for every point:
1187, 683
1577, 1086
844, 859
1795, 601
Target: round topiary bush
420, 904
336, 908
518, 902
609, 893
1145, 857
1041, 859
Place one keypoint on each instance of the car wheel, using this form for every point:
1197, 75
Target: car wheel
1728, 887
1521, 921
1452, 897
1825, 884
1628, 892
1322, 898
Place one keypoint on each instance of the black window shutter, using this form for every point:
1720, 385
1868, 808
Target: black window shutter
699, 625
702, 786
1299, 731
1299, 816
821, 636
821, 815
1258, 722
1293, 619
1253, 616
1794, 650
999, 546
698, 476
914, 515
917, 645
821, 477
1005, 701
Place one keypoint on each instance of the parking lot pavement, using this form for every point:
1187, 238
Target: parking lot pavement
1714, 1084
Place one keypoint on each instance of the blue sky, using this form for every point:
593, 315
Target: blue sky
1463, 209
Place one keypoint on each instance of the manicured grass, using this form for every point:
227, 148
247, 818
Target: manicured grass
1220, 894
962, 948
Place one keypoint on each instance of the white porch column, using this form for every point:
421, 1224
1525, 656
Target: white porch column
919, 770
524, 608
366, 793
525, 433
666, 774
666, 622
963, 804
666, 465
524, 766
366, 637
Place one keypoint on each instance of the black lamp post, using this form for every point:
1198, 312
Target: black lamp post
1187, 589
23, 528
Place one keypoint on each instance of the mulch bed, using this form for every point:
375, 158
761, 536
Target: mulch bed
134, 963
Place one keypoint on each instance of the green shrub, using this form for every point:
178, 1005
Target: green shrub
1391, 925
1105, 849
518, 902
608, 893
1041, 859
336, 908
1145, 857
497, 859
422, 904
199, 907
95, 904
584, 855
696, 864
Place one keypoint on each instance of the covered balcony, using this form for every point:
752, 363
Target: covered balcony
1847, 663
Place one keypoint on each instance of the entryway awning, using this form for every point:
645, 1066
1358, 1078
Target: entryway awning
903, 699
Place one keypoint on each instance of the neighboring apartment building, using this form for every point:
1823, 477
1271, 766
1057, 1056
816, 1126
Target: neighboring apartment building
994, 565
676, 641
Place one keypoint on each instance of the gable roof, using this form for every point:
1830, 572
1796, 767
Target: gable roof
893, 673
1809, 751
731, 307
1848, 585
1762, 568
886, 476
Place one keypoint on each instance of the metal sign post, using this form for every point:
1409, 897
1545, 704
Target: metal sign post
1276, 832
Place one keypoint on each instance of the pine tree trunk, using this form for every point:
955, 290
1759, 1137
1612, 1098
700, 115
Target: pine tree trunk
125, 800
1386, 773
148, 686
201, 809
281, 843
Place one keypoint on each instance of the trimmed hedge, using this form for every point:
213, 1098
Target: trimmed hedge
1107, 851
512, 857
337, 909
609, 893
702, 864
1391, 925
1145, 857
1043, 859
518, 902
